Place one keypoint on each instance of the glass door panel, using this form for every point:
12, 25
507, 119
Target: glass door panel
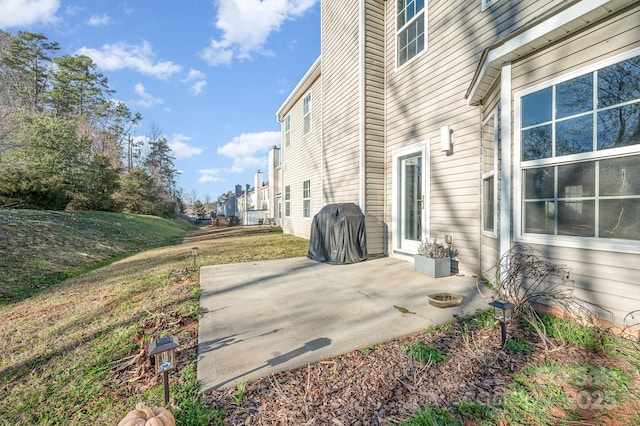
411, 202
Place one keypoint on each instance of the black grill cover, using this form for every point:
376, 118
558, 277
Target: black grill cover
338, 235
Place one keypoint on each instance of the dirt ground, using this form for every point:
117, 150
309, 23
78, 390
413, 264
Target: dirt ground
383, 385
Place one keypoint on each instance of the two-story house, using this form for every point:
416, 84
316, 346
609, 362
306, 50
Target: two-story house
493, 122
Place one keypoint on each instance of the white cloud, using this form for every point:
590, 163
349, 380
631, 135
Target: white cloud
180, 147
210, 175
18, 13
97, 20
198, 87
198, 81
146, 100
246, 25
196, 75
249, 150
112, 57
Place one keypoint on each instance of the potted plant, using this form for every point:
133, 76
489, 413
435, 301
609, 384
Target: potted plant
434, 259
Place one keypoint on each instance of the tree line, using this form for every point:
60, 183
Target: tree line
64, 144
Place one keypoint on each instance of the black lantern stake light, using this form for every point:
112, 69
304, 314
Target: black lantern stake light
502, 311
164, 353
194, 253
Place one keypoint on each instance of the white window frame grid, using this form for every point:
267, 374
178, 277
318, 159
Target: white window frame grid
279, 209
495, 114
287, 130
287, 201
593, 243
306, 113
424, 13
306, 198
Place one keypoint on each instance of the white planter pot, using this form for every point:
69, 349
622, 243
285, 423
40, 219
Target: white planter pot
433, 267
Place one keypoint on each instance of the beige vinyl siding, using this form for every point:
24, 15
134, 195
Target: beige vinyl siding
430, 92
374, 126
606, 278
301, 161
340, 100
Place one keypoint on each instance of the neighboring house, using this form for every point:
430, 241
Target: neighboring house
275, 193
493, 121
254, 203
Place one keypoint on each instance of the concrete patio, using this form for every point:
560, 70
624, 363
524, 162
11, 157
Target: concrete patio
265, 317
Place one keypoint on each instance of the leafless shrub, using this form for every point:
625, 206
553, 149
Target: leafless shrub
527, 279
524, 277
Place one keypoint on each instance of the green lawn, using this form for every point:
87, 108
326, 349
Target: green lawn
82, 296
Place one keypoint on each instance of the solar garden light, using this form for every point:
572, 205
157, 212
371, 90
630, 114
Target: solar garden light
502, 311
163, 351
194, 253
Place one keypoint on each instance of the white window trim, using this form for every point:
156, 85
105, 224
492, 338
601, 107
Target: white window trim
585, 243
287, 131
306, 199
419, 147
287, 202
494, 114
304, 116
426, 35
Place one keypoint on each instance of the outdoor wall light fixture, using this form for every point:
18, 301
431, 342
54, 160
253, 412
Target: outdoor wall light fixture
163, 352
446, 138
194, 253
502, 311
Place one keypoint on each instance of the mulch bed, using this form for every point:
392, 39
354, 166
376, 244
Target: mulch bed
383, 385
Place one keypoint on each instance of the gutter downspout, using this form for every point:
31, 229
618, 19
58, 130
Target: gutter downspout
505, 167
361, 124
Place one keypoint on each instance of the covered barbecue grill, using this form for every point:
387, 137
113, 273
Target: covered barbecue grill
338, 235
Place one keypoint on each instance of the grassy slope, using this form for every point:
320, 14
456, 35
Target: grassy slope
73, 352
42, 248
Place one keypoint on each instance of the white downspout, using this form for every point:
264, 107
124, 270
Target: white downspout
505, 168
361, 125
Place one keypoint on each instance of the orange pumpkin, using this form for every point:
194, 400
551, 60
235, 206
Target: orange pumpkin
144, 416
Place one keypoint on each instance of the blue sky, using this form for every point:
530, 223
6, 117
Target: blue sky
209, 73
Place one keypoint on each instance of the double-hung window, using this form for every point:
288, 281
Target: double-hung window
411, 23
306, 198
306, 112
287, 130
579, 155
489, 158
287, 200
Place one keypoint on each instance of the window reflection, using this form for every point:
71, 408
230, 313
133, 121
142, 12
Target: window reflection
619, 83
574, 96
536, 108
619, 126
537, 143
574, 136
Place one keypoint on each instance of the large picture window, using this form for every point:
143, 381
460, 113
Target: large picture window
580, 155
411, 29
